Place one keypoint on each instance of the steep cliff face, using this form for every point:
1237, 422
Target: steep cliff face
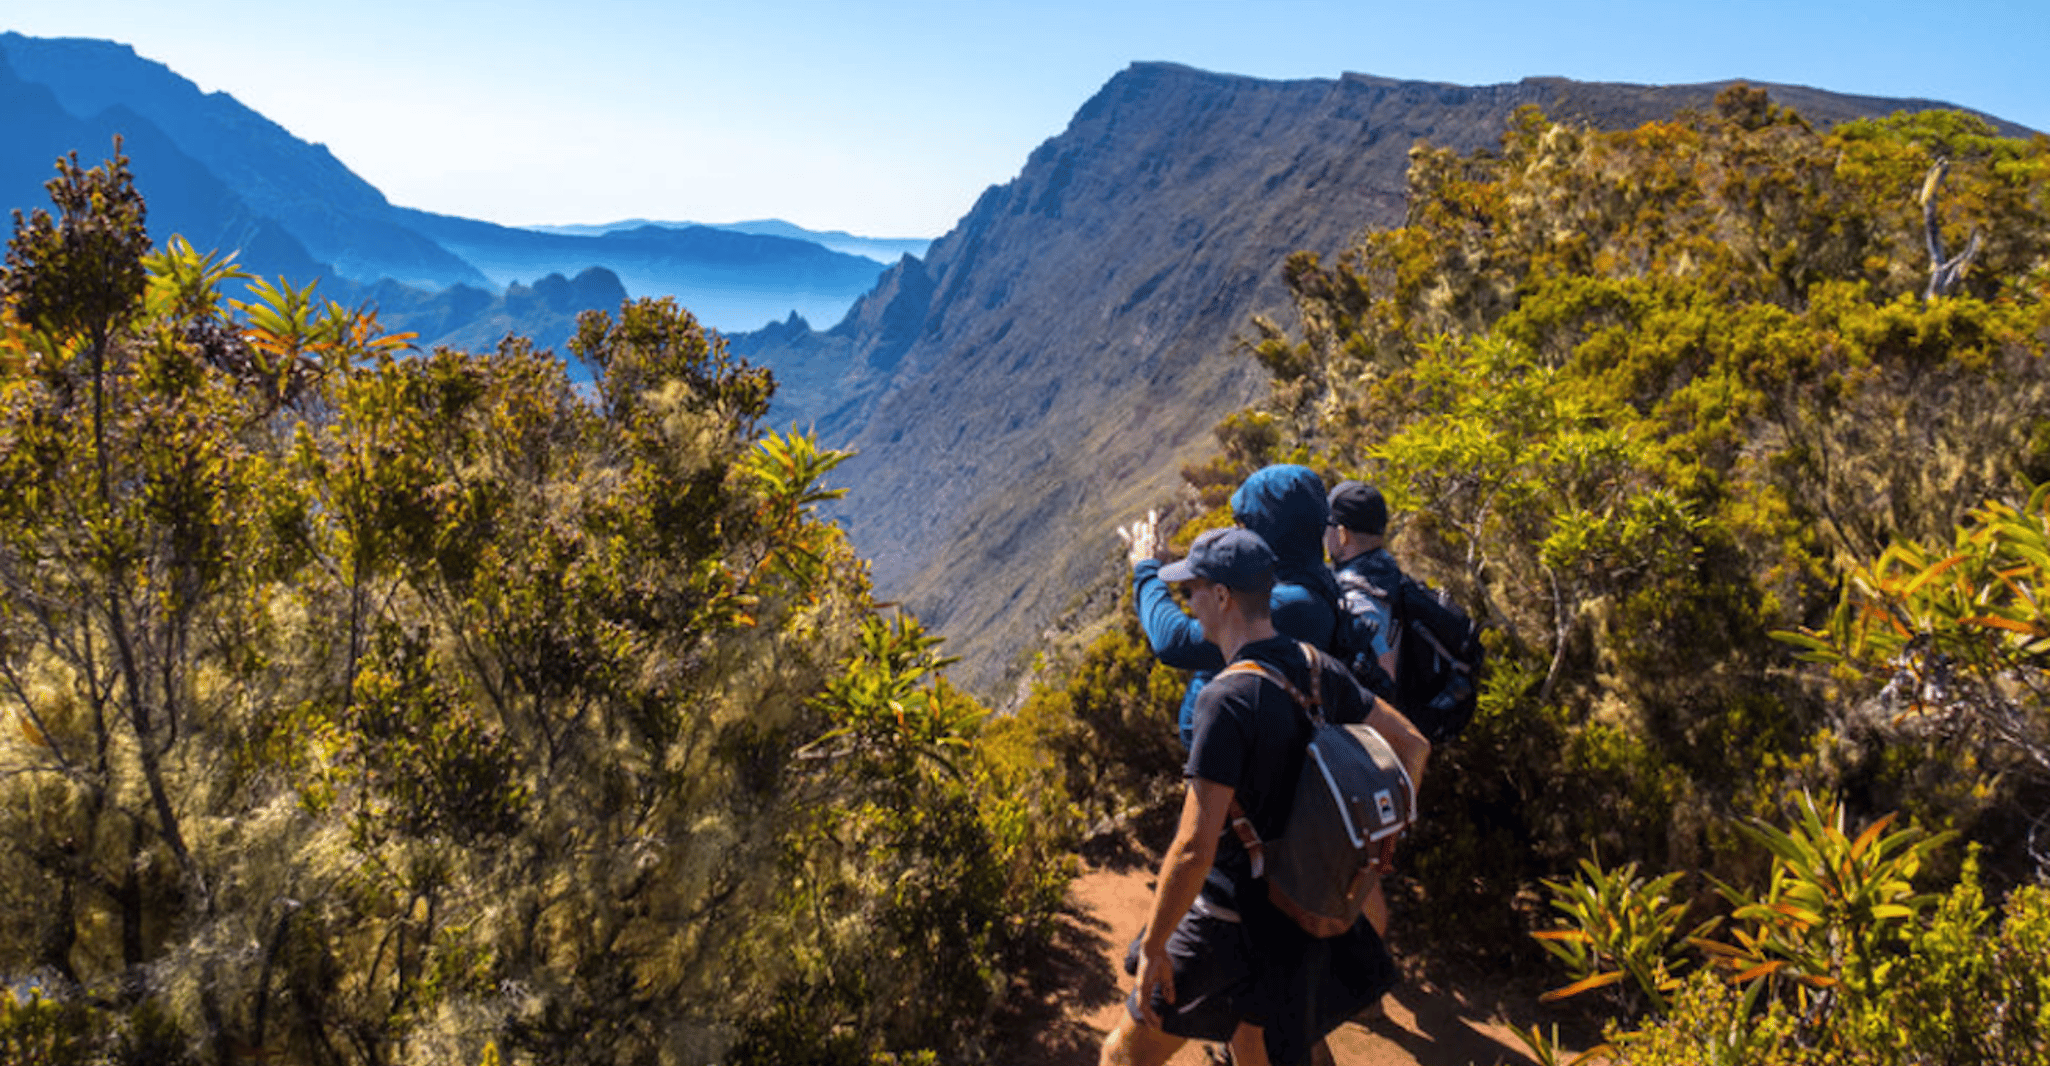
1056, 358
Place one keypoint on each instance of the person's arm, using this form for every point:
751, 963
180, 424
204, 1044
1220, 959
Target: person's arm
1177, 639
1366, 628
1374, 616
1182, 870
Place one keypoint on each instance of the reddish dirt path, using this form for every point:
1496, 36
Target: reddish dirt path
1083, 995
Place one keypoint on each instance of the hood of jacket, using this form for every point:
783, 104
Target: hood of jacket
1286, 506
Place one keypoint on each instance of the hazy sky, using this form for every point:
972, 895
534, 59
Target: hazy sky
888, 117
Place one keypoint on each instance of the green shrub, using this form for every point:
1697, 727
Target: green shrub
1839, 959
36, 1030
364, 707
1108, 724
1639, 398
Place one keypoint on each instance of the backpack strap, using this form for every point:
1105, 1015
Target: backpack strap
1311, 705
1414, 588
1443, 652
1353, 581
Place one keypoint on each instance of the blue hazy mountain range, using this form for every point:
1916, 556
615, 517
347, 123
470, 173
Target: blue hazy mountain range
880, 249
730, 280
229, 179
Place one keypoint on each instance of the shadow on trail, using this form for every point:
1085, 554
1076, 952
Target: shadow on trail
1133, 842
1044, 1020
1116, 852
1459, 1015
1444, 1033
1040, 1020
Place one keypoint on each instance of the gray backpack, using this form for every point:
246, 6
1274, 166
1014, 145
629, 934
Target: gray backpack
1353, 798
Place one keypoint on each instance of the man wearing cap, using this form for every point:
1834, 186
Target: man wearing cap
1218, 961
1284, 504
1367, 574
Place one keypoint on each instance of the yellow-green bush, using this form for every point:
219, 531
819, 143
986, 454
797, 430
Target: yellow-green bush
1638, 399
1916, 979
369, 708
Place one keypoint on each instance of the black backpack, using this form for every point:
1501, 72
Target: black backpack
1352, 799
1438, 654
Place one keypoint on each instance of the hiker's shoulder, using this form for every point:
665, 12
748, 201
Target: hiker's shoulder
1280, 650
1379, 566
1292, 661
1260, 659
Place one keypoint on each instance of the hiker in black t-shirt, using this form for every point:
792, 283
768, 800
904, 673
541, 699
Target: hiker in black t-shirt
1218, 961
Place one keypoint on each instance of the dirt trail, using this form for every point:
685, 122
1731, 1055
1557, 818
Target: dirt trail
1425, 1025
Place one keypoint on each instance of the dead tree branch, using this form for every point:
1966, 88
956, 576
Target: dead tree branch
1944, 274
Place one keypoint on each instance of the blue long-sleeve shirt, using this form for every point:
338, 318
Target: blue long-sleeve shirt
1285, 505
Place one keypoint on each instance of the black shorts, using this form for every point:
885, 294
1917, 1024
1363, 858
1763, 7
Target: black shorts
1295, 986
1213, 980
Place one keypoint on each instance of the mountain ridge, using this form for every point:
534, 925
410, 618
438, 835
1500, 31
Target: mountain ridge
1046, 370
229, 178
194, 201
881, 249
337, 215
1040, 373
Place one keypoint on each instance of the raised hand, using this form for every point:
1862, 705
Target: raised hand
1141, 538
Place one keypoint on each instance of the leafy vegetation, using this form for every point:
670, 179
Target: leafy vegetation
1645, 400
1621, 931
369, 709
1641, 398
1957, 637
1838, 959
374, 707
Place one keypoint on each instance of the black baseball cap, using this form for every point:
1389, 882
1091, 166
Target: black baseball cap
1235, 558
1358, 506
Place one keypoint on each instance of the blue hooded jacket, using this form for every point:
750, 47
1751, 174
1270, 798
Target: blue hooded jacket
1286, 506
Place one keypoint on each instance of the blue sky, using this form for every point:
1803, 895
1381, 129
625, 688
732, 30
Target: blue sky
888, 117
